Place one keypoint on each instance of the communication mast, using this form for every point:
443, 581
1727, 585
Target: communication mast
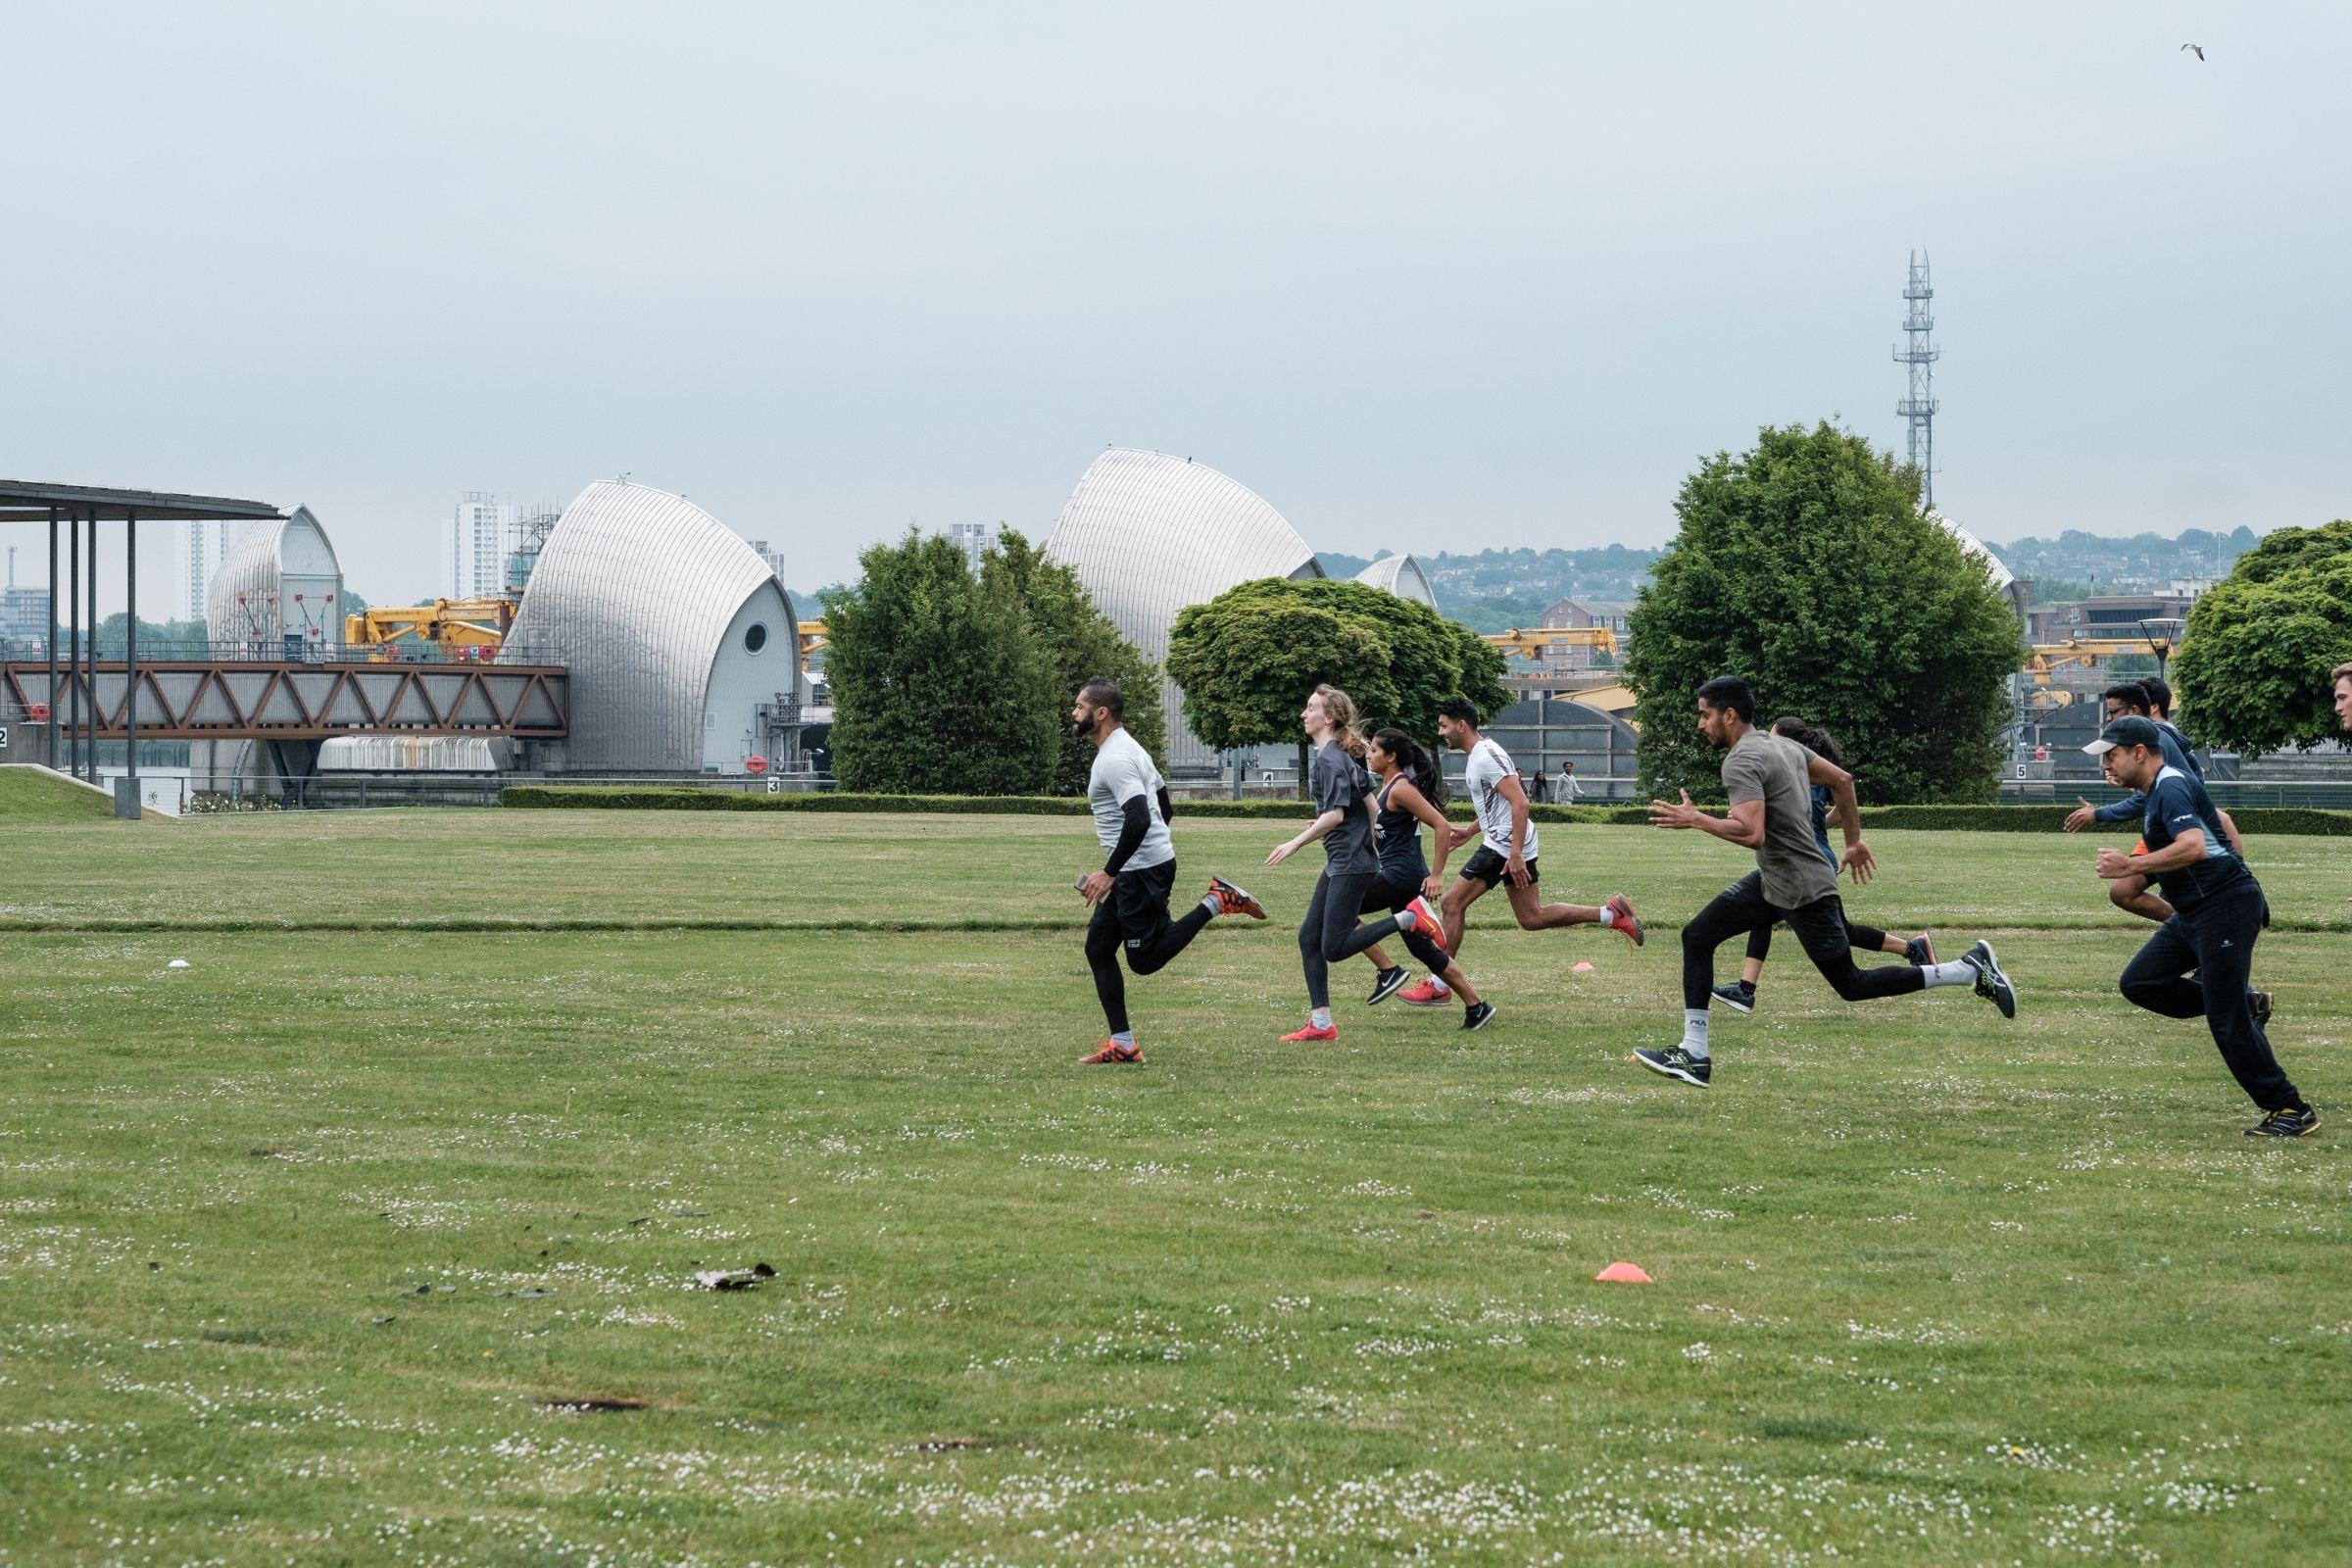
1919, 408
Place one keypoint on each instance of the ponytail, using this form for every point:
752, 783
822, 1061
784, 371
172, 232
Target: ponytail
1339, 709
1812, 737
1417, 762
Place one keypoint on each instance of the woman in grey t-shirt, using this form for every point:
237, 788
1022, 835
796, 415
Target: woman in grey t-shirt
1343, 795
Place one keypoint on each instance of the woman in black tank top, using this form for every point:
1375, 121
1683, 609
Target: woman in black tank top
1407, 784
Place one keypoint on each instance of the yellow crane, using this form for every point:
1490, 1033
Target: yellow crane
2044, 659
813, 637
1529, 644
460, 629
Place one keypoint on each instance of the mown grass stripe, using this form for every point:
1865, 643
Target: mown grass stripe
472, 925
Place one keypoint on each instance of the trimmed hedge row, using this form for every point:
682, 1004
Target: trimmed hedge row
2291, 820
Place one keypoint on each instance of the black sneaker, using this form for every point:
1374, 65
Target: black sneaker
2262, 1007
1991, 984
1476, 1017
1676, 1062
1391, 982
1738, 996
1919, 952
2286, 1123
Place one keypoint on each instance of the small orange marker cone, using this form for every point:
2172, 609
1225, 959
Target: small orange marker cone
1580, 969
1624, 1274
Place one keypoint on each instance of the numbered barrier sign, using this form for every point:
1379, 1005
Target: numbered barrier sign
776, 786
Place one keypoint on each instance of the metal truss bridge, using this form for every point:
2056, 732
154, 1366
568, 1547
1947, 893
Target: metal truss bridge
194, 699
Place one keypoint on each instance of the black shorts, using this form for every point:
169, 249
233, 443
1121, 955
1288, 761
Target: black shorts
1487, 867
1137, 903
1396, 887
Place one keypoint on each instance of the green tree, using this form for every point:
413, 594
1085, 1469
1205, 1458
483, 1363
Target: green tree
1248, 659
2252, 670
938, 686
1079, 643
1807, 566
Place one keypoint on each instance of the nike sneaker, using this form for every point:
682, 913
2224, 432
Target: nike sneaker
1623, 918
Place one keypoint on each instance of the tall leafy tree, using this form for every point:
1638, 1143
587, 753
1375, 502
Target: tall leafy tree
1079, 642
938, 685
1248, 659
2252, 672
1809, 566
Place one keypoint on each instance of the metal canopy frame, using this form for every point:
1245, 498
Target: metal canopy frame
27, 501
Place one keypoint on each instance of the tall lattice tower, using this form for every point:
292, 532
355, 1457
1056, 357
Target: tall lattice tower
1919, 408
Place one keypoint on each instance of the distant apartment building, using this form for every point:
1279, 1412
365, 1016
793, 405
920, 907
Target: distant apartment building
474, 543
975, 538
23, 616
773, 558
203, 546
2111, 616
1585, 613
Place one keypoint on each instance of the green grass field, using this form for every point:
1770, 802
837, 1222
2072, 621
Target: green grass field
310, 1253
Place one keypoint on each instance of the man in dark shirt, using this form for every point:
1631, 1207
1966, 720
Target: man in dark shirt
2150, 698
2217, 915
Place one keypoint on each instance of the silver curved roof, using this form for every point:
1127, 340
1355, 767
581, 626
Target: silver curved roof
1402, 576
633, 591
1971, 545
247, 601
1148, 535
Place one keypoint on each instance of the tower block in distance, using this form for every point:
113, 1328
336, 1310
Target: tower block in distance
1918, 408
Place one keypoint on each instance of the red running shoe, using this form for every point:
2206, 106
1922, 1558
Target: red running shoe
1235, 901
1311, 1032
1621, 908
1430, 992
1428, 922
1112, 1055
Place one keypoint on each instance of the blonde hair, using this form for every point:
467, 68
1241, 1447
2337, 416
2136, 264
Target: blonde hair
2342, 672
1339, 709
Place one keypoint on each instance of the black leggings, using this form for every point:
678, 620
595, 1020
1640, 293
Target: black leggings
1820, 928
1394, 895
1860, 938
1329, 934
1134, 914
2217, 940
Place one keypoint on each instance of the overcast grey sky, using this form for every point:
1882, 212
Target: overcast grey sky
1424, 276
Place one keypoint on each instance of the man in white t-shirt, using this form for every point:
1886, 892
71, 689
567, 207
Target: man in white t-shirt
1506, 855
1130, 894
1568, 789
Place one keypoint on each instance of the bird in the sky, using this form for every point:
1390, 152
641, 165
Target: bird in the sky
2196, 49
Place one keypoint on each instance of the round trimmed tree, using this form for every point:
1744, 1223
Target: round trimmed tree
2252, 670
1809, 566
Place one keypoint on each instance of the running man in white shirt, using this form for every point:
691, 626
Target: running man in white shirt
1130, 894
1507, 854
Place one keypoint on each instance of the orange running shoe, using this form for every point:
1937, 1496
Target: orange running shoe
1621, 908
1431, 993
1234, 901
1310, 1033
1112, 1055
1426, 922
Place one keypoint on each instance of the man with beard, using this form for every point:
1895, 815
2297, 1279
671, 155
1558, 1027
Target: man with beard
1130, 894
